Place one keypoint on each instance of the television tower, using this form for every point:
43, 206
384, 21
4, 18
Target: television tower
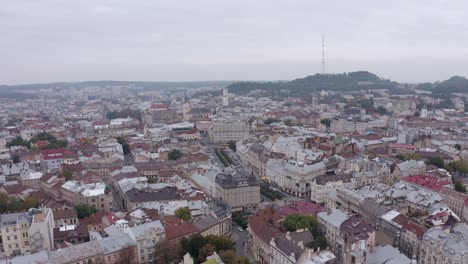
323, 54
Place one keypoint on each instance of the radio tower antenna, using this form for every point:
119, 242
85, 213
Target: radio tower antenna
323, 54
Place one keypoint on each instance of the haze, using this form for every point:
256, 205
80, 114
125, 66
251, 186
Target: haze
407, 41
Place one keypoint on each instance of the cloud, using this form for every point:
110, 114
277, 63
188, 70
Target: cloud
46, 40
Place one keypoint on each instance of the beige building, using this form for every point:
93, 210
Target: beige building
239, 191
455, 200
294, 177
93, 194
323, 184
225, 131
443, 246
331, 221
26, 233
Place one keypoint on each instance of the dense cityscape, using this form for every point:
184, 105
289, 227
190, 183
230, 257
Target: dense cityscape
347, 168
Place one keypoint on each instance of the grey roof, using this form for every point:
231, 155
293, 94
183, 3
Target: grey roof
76, 253
289, 243
114, 244
387, 255
335, 217
14, 218
141, 230
323, 179
167, 193
205, 223
239, 179
40, 257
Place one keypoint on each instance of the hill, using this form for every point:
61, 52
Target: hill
333, 82
455, 84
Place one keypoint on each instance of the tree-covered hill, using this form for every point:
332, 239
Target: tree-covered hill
331, 82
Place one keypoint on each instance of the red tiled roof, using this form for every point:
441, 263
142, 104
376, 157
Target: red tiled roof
265, 224
158, 106
405, 146
302, 207
177, 228
429, 182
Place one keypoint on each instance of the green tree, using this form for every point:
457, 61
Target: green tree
296, 221
436, 161
381, 110
125, 147
42, 136
458, 146
326, 122
67, 174
183, 213
18, 141
84, 210
411, 156
459, 187
174, 154
29, 202
270, 120
232, 145
195, 245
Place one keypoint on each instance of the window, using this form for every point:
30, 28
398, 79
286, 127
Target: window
8, 238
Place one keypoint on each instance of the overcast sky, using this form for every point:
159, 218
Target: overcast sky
407, 41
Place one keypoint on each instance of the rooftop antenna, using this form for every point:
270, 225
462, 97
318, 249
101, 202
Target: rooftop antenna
323, 54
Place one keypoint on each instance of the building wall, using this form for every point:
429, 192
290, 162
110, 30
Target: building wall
15, 239
241, 197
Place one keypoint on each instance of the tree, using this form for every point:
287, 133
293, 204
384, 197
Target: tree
232, 145
167, 252
67, 174
410, 156
417, 114
125, 147
174, 154
436, 161
458, 146
29, 202
459, 187
16, 158
84, 210
183, 213
195, 245
18, 141
288, 122
270, 120
381, 110
326, 122
296, 221
230, 257
206, 251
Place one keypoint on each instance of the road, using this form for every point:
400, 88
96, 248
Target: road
241, 243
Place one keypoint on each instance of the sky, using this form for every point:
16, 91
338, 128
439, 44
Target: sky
191, 40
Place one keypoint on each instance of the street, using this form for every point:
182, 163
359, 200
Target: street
241, 243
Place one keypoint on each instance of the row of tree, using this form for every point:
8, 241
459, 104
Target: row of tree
53, 142
16, 204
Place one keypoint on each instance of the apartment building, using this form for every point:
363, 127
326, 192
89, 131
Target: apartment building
238, 190
444, 246
93, 194
323, 184
27, 232
225, 131
331, 221
294, 177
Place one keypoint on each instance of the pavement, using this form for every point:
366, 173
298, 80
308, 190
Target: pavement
241, 243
